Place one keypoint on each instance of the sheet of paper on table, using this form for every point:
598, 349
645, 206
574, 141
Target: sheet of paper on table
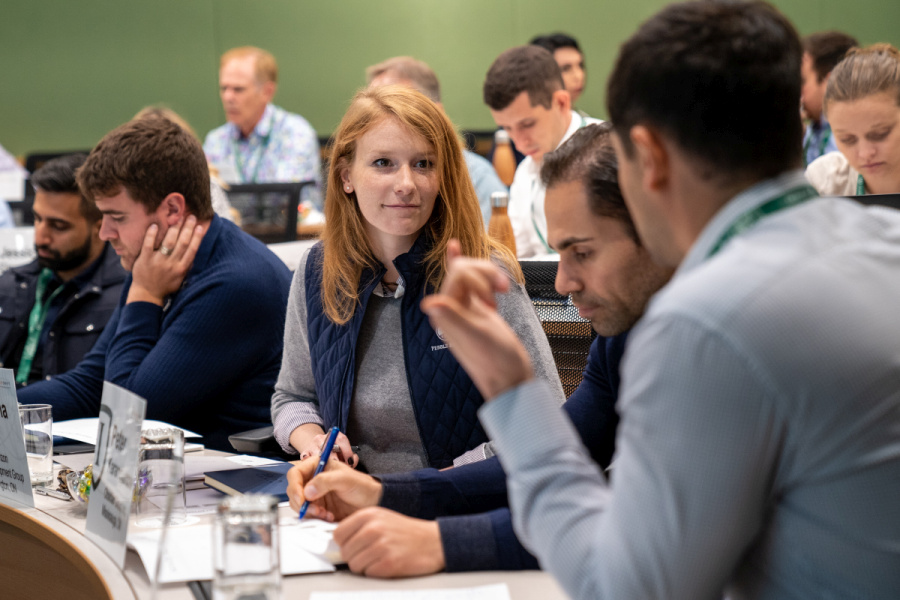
497, 591
188, 553
85, 430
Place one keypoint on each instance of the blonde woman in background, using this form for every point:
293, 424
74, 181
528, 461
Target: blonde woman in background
862, 102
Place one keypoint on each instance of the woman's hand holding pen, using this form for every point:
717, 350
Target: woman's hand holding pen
334, 494
309, 439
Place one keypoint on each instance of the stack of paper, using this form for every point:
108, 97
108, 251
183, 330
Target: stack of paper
85, 430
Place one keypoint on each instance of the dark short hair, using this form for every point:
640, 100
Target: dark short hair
721, 79
555, 41
150, 158
827, 49
529, 69
58, 176
588, 157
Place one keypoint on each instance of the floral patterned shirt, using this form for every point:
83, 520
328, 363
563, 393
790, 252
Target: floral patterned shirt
282, 147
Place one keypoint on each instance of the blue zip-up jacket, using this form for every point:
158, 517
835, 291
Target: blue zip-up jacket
445, 401
79, 320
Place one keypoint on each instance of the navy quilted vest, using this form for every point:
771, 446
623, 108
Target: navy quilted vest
444, 399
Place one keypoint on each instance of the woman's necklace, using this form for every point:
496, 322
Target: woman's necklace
389, 288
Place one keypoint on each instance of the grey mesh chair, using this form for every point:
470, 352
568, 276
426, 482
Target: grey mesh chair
569, 335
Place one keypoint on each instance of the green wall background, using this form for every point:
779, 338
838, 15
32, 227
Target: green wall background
71, 71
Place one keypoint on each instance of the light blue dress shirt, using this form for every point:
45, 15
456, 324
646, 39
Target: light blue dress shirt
818, 141
758, 453
485, 180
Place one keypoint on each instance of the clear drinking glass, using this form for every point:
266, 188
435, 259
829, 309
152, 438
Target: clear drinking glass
37, 429
160, 478
245, 549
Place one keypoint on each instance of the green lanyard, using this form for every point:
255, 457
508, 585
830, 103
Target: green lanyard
36, 324
860, 186
260, 153
822, 143
790, 198
533, 220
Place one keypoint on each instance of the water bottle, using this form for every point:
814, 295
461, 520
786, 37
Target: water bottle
504, 161
500, 227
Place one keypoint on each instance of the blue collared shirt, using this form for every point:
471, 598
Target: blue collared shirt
485, 180
817, 140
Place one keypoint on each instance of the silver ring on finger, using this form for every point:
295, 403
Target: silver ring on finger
165, 251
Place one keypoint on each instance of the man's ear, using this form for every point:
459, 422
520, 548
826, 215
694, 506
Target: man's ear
561, 100
652, 156
268, 89
172, 209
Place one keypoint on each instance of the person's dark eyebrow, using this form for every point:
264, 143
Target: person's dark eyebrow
571, 241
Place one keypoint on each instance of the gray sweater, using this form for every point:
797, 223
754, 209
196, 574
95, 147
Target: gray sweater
382, 422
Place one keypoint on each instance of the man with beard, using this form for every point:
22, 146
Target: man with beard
53, 309
758, 453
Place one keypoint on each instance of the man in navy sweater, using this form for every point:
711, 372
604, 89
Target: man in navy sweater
610, 277
199, 327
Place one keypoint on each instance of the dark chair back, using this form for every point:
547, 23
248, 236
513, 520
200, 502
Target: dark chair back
569, 335
268, 210
889, 200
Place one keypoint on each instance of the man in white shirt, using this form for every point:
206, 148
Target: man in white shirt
525, 93
758, 453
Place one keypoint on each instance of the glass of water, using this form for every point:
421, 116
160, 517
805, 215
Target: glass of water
160, 481
245, 549
37, 428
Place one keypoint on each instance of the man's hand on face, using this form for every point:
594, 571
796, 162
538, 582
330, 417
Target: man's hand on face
159, 272
465, 311
378, 542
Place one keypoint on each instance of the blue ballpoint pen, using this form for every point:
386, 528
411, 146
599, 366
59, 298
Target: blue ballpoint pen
323, 460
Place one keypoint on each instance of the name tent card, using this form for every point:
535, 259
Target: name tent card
15, 482
115, 469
